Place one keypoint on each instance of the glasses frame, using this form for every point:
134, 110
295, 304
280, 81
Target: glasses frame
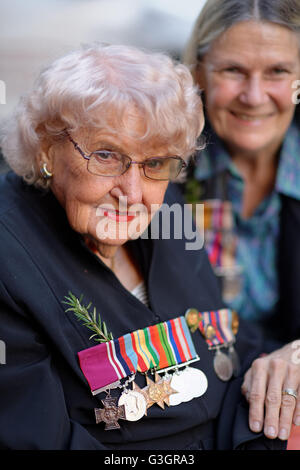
131, 162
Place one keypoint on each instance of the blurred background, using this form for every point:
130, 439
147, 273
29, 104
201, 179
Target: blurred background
34, 32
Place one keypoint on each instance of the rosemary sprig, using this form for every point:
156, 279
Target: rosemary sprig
90, 320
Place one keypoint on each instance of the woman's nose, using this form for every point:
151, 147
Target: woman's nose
130, 185
254, 92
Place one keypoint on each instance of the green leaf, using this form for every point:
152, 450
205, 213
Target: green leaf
88, 319
105, 329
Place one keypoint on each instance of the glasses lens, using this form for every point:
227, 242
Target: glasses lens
166, 168
105, 163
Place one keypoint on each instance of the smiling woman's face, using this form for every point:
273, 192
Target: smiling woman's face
247, 78
96, 205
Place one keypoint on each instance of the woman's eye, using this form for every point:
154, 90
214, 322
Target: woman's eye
105, 155
232, 70
154, 164
279, 71
233, 73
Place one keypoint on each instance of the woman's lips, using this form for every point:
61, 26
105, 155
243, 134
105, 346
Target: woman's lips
249, 119
118, 216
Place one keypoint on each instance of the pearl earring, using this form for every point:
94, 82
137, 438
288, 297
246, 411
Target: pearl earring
46, 174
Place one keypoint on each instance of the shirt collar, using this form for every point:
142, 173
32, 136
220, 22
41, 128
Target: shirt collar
214, 159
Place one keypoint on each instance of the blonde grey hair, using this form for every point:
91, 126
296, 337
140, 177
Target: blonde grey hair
88, 86
217, 16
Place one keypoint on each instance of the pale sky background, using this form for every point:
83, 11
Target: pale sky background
34, 32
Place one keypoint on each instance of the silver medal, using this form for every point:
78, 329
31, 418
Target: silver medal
235, 360
179, 384
188, 389
190, 383
196, 380
223, 366
135, 404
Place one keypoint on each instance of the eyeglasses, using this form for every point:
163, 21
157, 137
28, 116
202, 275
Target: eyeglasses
111, 163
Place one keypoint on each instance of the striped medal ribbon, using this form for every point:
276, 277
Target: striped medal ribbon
159, 347
163, 346
218, 327
221, 244
167, 347
215, 326
215, 223
217, 215
106, 364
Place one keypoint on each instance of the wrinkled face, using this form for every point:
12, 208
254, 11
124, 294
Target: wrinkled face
110, 210
247, 78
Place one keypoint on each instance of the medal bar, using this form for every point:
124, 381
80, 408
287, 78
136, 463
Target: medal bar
107, 388
219, 328
158, 349
176, 367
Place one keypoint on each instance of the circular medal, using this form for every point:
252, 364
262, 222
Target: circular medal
210, 332
223, 366
192, 319
188, 388
196, 380
235, 361
179, 384
134, 403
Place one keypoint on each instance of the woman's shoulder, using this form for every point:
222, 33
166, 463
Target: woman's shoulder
16, 196
9, 183
16, 203
29, 218
19, 200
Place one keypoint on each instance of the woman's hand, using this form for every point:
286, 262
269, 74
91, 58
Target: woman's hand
263, 387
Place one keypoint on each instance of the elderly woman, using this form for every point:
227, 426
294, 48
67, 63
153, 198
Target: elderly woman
93, 148
244, 54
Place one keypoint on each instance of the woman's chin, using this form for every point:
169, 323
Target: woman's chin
249, 144
116, 239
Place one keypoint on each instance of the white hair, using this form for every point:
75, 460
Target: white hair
85, 87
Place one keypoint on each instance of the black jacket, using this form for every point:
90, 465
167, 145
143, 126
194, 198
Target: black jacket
288, 312
45, 399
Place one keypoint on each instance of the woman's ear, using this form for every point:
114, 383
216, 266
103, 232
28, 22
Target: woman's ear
44, 158
45, 144
46, 150
44, 155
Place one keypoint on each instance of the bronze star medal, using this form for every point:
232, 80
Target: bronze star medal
110, 414
158, 392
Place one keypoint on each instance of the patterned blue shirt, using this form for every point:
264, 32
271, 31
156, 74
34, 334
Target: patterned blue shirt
257, 236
